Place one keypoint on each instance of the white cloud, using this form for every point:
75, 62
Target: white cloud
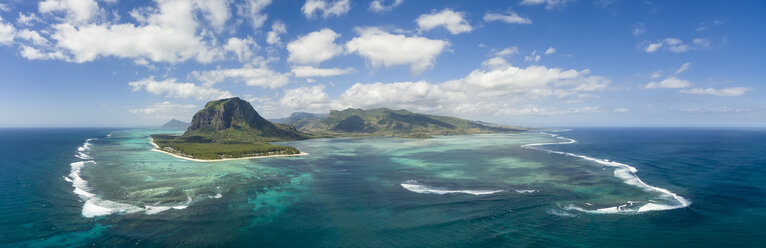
26, 20
533, 57
549, 4
216, 12
639, 29
512, 18
277, 28
32, 36
509, 51
314, 47
653, 47
721, 109
312, 99
7, 33
669, 83
166, 110
310, 71
168, 34
252, 10
32, 53
4, 7
381, 48
328, 9
453, 21
550, 51
676, 45
243, 48
379, 6
77, 11
170, 88
494, 90
683, 68
730, 91
252, 76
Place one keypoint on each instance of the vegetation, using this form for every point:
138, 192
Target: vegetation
387, 122
202, 148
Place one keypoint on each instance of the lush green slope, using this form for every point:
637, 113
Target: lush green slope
383, 121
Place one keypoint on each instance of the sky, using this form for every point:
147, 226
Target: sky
565, 63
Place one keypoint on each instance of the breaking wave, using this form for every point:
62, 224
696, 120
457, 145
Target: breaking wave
93, 205
412, 185
628, 175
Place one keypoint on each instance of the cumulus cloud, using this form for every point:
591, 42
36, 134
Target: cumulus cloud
509, 51
252, 76
549, 4
4, 7
730, 91
170, 88
32, 53
26, 20
381, 48
76, 11
379, 5
273, 37
453, 21
533, 57
7, 33
510, 18
550, 51
32, 36
242, 47
310, 71
486, 91
216, 12
314, 47
165, 110
252, 10
168, 33
676, 45
327, 8
669, 83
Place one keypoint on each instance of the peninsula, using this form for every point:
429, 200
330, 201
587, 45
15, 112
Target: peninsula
232, 129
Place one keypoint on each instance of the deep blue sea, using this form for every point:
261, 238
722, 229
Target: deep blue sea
586, 187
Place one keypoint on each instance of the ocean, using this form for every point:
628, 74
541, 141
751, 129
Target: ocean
584, 187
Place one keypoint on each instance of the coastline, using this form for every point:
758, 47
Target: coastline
156, 149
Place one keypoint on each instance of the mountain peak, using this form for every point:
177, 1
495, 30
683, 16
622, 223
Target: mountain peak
235, 119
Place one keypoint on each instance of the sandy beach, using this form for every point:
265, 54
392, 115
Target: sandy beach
156, 149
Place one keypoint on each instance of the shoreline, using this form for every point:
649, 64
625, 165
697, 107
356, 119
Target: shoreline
156, 149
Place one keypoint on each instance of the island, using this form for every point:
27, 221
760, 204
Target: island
232, 129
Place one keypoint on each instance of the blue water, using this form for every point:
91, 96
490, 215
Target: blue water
453, 191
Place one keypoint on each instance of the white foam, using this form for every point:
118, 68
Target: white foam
95, 206
628, 175
525, 191
81, 155
216, 196
561, 213
423, 189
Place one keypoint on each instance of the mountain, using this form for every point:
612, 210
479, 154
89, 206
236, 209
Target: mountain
175, 124
300, 119
235, 120
383, 121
